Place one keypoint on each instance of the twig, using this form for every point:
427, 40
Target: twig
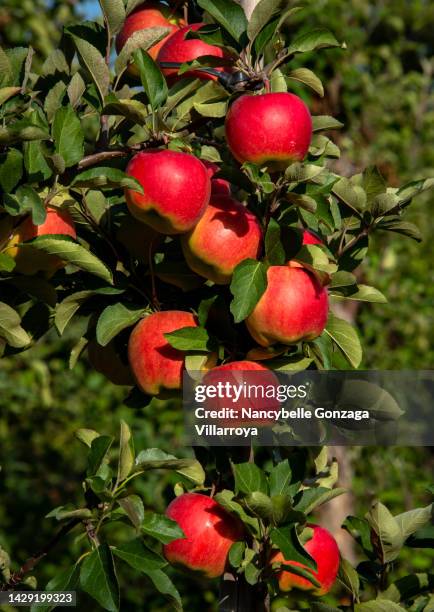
18, 576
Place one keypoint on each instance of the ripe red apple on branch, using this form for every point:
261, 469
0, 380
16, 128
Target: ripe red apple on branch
148, 15
226, 234
176, 188
180, 49
272, 128
293, 307
209, 532
157, 366
323, 549
27, 259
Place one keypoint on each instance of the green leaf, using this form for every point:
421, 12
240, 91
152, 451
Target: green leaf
189, 339
98, 578
413, 520
154, 458
248, 283
299, 173
280, 478
214, 109
348, 576
114, 14
301, 571
389, 539
11, 169
76, 89
26, 199
74, 253
86, 436
10, 327
152, 78
307, 77
286, 540
126, 452
259, 504
359, 529
400, 227
249, 478
227, 13
161, 527
65, 580
314, 39
307, 500
131, 109
225, 499
7, 263
378, 605
324, 122
66, 309
141, 39
68, 135
346, 339
115, 318
236, 553
139, 556
262, 13
99, 449
95, 64
349, 194
373, 183
281, 243
362, 293
164, 585
106, 177
133, 507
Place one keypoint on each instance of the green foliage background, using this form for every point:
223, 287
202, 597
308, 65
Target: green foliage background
381, 88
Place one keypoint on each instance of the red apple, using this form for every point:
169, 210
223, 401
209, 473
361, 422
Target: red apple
226, 234
157, 366
209, 532
179, 49
148, 15
294, 307
271, 129
245, 374
219, 186
107, 361
322, 547
310, 238
29, 260
176, 190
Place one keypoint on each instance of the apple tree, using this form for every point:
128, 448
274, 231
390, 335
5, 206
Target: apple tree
163, 186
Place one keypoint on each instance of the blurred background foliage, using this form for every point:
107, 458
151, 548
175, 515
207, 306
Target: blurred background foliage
382, 89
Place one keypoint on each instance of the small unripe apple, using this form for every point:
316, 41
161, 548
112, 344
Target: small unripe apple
156, 365
140, 240
107, 361
271, 129
310, 238
294, 307
148, 15
209, 532
29, 260
219, 186
322, 547
226, 234
176, 190
179, 49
